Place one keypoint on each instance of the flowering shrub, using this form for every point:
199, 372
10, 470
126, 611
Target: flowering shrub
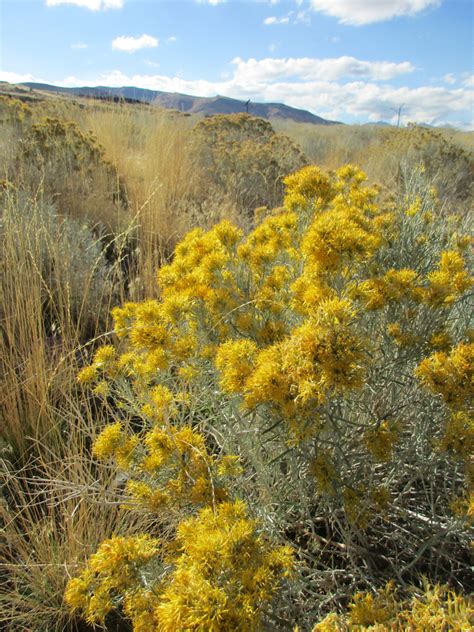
223, 572
329, 349
241, 156
54, 157
422, 157
434, 608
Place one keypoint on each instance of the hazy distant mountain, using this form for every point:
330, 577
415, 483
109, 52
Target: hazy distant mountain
378, 124
189, 104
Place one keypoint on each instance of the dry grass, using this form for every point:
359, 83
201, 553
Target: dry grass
56, 291
150, 151
57, 509
56, 294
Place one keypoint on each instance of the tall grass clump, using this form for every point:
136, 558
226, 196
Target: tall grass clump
56, 509
294, 412
150, 149
57, 289
331, 146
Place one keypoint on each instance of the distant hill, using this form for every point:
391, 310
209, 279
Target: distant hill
189, 104
378, 124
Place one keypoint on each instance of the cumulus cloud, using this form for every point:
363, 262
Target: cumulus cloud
356, 100
306, 68
132, 44
449, 78
79, 46
271, 20
14, 77
359, 12
315, 85
469, 81
93, 5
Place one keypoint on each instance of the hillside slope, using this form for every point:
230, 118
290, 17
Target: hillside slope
190, 104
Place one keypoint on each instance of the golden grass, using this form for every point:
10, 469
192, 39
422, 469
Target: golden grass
56, 295
150, 150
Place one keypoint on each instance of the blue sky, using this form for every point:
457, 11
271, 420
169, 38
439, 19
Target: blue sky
350, 60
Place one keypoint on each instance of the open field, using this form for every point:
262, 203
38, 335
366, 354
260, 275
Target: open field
233, 398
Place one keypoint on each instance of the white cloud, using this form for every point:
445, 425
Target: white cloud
358, 12
469, 82
93, 5
132, 44
151, 64
79, 46
307, 68
14, 77
449, 78
274, 20
299, 17
302, 17
318, 88
171, 40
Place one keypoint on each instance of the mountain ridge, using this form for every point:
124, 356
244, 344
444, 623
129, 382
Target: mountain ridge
189, 104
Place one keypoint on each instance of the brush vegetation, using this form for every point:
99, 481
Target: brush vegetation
237, 373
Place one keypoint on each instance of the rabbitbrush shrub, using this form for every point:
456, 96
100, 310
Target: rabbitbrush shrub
242, 158
52, 158
306, 384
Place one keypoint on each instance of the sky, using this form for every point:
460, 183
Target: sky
353, 61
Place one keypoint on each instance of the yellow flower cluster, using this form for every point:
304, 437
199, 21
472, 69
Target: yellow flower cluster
381, 440
224, 575
439, 288
167, 466
458, 435
393, 286
309, 185
294, 375
339, 235
275, 236
114, 442
450, 374
450, 281
220, 579
117, 564
436, 607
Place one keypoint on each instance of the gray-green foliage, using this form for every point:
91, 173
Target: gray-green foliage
77, 283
